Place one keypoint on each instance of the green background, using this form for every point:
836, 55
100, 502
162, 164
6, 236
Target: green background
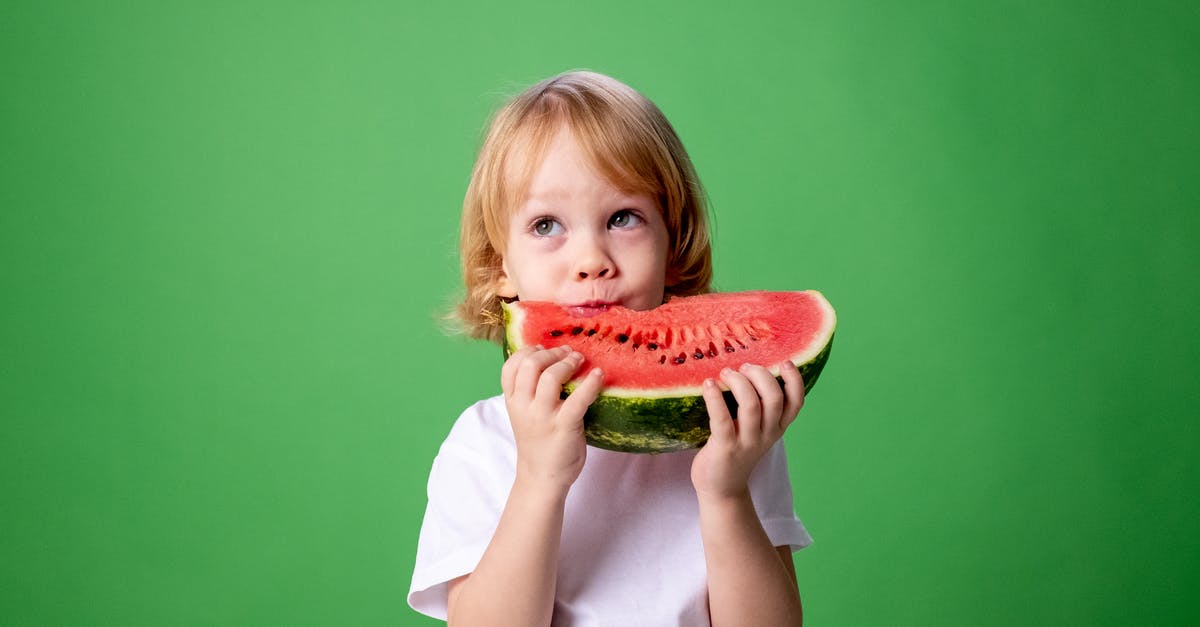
228, 230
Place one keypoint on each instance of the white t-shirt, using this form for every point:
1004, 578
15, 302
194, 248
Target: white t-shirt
630, 552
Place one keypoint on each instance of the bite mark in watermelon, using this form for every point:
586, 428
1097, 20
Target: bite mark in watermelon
656, 361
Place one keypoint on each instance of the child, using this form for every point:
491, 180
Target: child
583, 195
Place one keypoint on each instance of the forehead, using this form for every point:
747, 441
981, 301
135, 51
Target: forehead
542, 165
563, 168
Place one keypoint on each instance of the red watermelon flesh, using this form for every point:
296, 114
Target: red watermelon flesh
670, 350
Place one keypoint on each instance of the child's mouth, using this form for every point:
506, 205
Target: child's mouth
587, 310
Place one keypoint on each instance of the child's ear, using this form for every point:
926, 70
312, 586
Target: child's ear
505, 288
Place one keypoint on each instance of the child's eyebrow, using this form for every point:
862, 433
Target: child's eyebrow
537, 204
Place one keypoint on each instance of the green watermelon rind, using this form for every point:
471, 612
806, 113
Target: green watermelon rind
658, 424
663, 425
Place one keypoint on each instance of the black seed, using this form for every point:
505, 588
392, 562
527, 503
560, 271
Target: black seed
576, 330
591, 332
680, 359
652, 346
697, 354
636, 345
662, 360
729, 347
622, 338
712, 349
555, 333
752, 338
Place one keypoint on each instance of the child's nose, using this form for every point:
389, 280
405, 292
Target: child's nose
592, 260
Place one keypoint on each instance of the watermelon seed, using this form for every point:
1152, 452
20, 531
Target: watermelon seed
698, 354
662, 360
576, 330
591, 332
622, 338
753, 339
555, 333
729, 347
680, 359
652, 346
636, 345
712, 349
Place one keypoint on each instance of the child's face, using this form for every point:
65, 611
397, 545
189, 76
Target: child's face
578, 241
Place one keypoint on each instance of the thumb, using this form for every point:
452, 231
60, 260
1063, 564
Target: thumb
583, 395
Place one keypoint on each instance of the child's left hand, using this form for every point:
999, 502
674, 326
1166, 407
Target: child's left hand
722, 467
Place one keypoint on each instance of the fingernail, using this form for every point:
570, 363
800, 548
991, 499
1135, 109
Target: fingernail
726, 372
709, 383
596, 372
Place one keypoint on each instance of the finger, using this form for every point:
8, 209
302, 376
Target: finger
769, 393
749, 410
531, 369
508, 373
583, 395
549, 385
793, 391
720, 422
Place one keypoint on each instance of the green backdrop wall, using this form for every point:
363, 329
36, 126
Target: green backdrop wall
228, 229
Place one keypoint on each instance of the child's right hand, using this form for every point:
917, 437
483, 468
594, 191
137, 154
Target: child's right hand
548, 429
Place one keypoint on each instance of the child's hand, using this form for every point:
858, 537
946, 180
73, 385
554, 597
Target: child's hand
548, 430
722, 467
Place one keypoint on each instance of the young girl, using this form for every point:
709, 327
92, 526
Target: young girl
583, 195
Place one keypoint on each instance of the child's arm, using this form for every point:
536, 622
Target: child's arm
750, 582
514, 582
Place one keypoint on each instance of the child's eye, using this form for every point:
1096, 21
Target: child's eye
546, 227
624, 219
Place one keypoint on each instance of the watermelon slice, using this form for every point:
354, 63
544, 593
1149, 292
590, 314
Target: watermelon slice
656, 361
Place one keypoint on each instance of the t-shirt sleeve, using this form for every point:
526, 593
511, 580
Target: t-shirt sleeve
771, 489
468, 486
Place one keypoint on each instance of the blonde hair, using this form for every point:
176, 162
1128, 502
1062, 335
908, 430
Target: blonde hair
629, 141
